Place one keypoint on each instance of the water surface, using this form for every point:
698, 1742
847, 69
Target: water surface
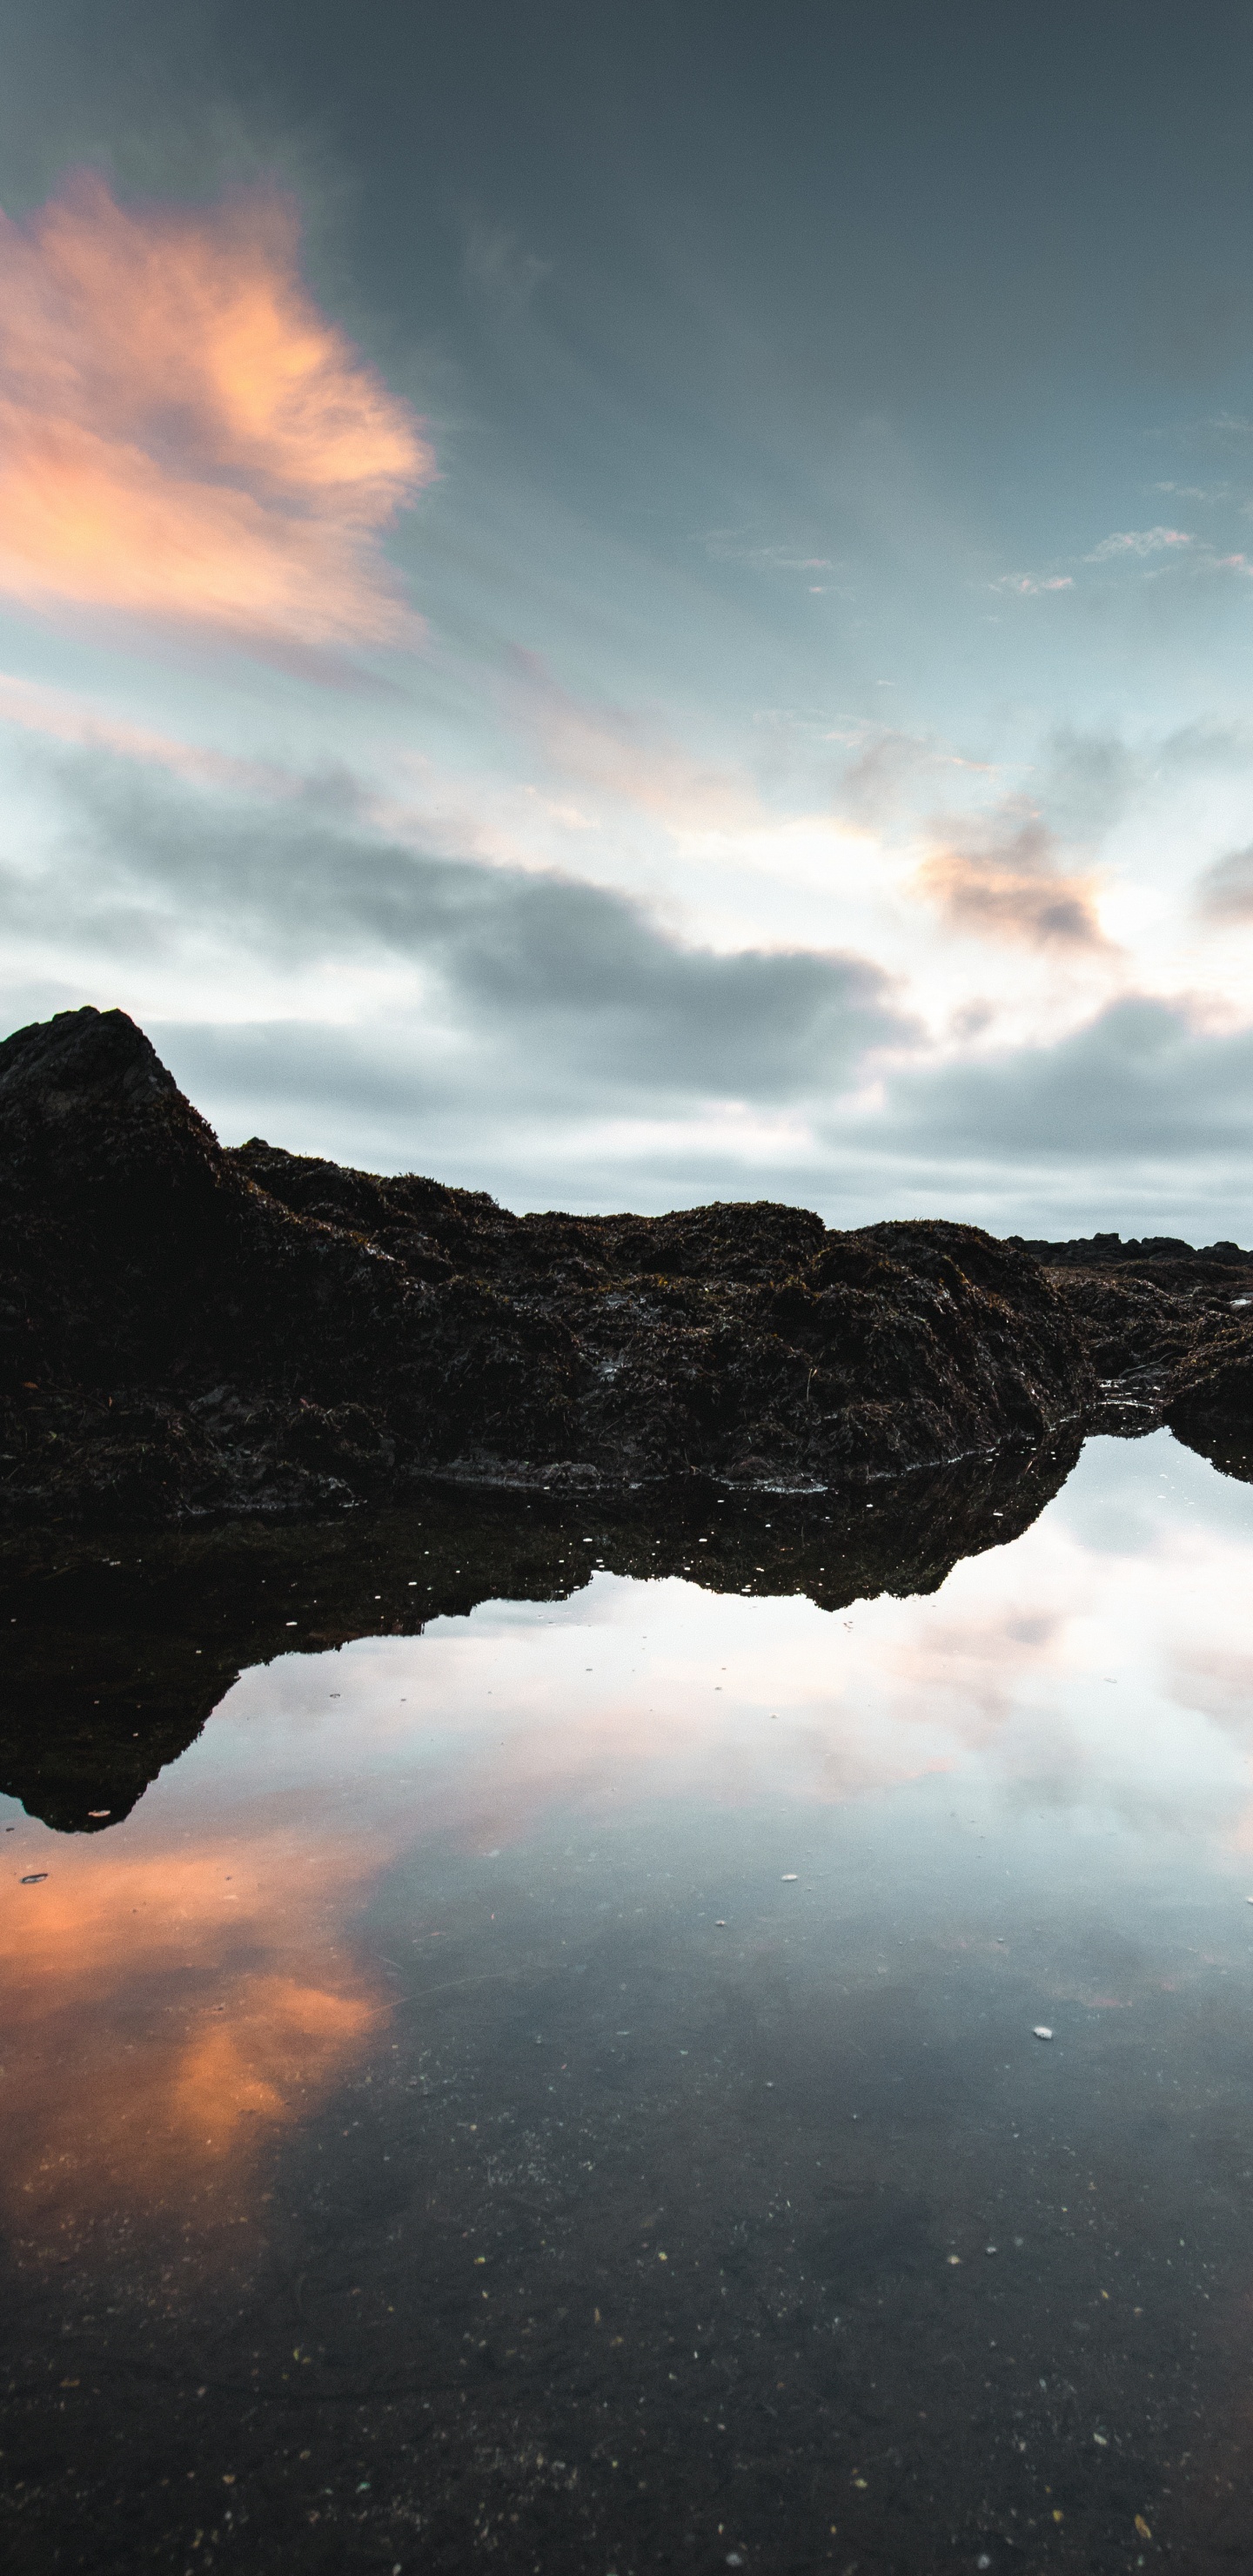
555, 2085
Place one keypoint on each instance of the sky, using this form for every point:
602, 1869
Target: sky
638, 604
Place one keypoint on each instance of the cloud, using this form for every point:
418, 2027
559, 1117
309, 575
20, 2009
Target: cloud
889, 765
184, 436
58, 714
519, 986
1087, 781
499, 269
630, 756
1225, 891
1001, 877
1139, 541
1143, 1082
313, 977
1026, 585
731, 545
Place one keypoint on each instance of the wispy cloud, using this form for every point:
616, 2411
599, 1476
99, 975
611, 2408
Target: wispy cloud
1026, 585
1139, 541
630, 756
62, 717
1003, 877
734, 545
496, 265
890, 766
184, 436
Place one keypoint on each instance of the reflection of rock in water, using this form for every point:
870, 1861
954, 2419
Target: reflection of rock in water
1227, 1441
186, 1329
119, 1653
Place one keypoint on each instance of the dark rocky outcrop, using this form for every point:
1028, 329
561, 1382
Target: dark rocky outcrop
1109, 1252
1168, 1330
188, 1330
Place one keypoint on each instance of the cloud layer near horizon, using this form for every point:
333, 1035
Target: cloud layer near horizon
183, 436
561, 1042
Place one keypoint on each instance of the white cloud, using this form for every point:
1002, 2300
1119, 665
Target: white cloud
1139, 541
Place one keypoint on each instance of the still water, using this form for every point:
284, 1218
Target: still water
556, 2086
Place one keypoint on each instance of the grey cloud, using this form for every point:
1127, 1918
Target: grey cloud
1087, 780
890, 766
566, 1041
1139, 1121
1217, 746
1224, 891
1141, 1083
554, 979
1082, 782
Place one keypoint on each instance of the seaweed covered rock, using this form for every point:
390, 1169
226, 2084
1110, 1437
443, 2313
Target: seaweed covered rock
1163, 1326
187, 1329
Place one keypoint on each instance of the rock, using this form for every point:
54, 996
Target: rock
1168, 1330
187, 1329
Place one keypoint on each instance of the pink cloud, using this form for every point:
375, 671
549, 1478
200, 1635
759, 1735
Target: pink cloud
1002, 877
184, 436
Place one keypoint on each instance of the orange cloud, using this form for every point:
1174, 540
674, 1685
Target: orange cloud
1002, 879
184, 436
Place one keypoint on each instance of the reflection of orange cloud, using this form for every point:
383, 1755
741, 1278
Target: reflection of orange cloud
258, 2063
182, 434
156, 2033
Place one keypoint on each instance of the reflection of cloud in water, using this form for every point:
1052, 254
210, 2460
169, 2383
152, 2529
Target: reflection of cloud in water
1110, 1684
197, 1969
196, 1990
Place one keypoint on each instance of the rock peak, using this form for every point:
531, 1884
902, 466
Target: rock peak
81, 1051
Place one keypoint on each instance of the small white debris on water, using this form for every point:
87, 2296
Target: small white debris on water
790, 1877
1042, 2030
